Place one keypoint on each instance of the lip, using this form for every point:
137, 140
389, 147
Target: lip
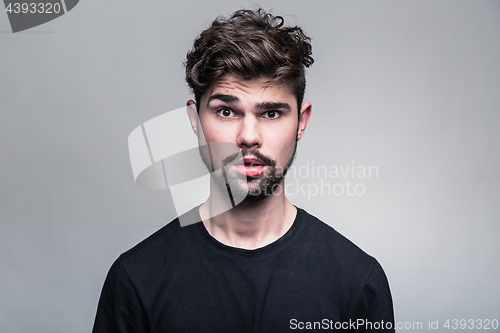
252, 161
250, 166
250, 171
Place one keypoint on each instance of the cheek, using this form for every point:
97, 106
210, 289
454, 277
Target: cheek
221, 136
214, 133
283, 145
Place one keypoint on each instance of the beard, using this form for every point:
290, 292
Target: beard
252, 188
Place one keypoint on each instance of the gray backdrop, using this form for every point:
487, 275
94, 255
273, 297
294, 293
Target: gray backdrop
409, 87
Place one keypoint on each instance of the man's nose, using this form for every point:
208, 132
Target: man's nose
249, 133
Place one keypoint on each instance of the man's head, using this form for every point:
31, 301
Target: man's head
250, 44
247, 74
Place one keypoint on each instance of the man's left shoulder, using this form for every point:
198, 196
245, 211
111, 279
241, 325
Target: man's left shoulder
350, 276
333, 247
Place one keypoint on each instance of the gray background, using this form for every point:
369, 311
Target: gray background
412, 87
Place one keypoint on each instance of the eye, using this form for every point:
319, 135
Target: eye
225, 113
272, 114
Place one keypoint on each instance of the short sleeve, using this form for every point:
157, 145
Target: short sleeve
374, 309
119, 309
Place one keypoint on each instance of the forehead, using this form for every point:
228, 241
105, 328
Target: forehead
251, 90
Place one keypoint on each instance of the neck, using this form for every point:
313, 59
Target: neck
251, 224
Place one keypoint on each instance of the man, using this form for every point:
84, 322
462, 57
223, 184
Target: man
264, 265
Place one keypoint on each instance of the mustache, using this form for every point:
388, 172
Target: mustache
250, 152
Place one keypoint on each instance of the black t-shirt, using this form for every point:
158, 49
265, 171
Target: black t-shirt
181, 279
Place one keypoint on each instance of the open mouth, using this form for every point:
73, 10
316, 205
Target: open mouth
251, 166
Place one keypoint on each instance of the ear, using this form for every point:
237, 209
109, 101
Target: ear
193, 115
305, 113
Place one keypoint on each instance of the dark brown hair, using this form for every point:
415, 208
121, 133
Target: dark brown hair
250, 44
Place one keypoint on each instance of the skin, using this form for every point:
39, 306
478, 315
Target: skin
252, 115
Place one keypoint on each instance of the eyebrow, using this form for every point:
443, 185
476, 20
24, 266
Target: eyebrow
224, 98
259, 106
273, 106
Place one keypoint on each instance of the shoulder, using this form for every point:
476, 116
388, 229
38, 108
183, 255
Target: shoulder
161, 247
329, 237
356, 273
334, 249
156, 240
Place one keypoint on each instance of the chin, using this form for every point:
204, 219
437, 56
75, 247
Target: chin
257, 196
263, 190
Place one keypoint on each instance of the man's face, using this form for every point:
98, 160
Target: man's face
261, 122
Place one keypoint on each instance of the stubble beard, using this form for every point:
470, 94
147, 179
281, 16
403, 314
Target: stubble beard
258, 187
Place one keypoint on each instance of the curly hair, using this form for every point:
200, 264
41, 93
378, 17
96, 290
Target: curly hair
250, 44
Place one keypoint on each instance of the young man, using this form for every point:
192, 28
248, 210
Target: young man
264, 265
